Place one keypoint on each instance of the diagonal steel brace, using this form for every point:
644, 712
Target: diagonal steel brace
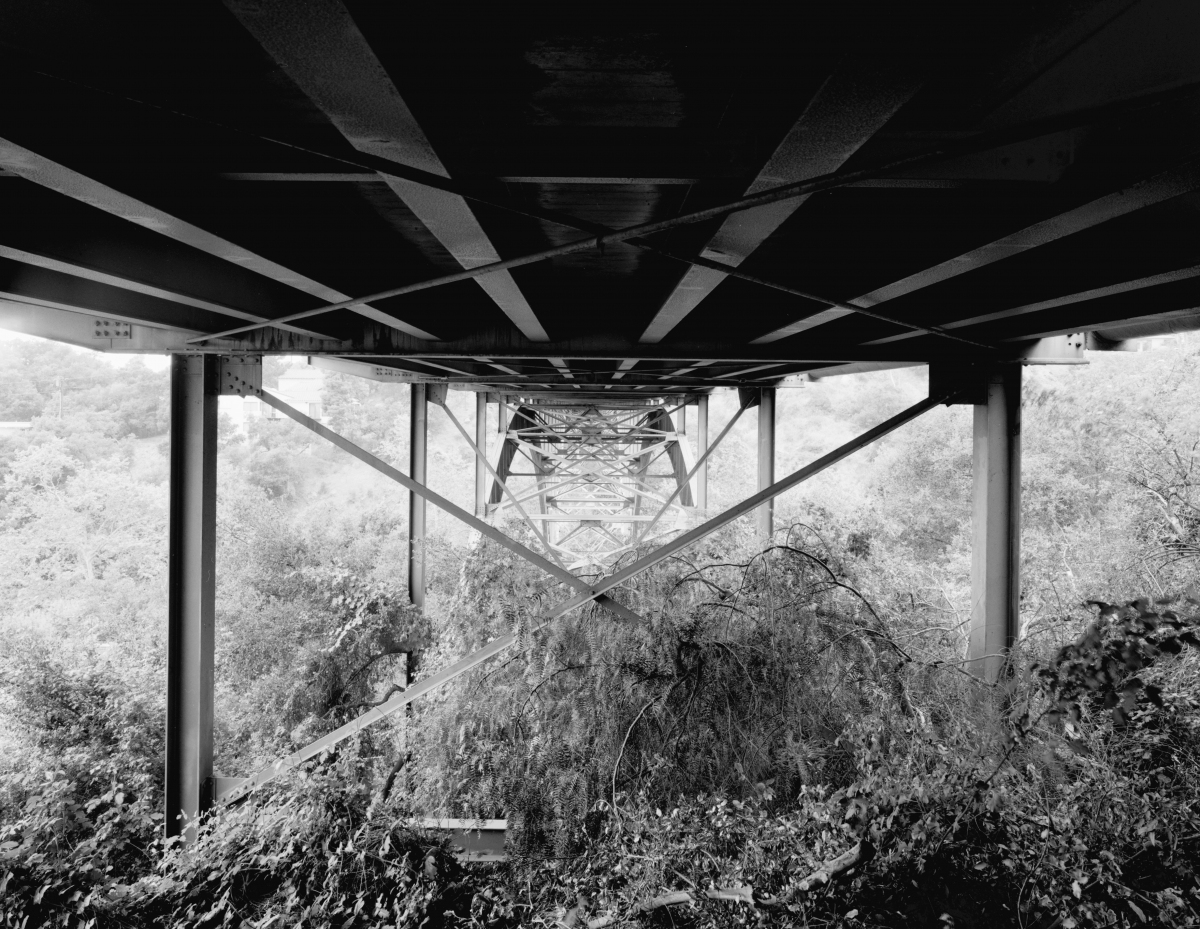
441, 502
497, 646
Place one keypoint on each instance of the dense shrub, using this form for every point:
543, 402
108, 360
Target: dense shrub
88, 820
765, 719
1083, 813
742, 673
1064, 796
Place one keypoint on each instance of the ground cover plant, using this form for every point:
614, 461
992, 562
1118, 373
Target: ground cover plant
729, 781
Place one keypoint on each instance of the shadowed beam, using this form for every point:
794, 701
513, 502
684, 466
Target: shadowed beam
1135, 327
636, 234
754, 370
1112, 334
321, 48
857, 367
1096, 293
77, 325
1166, 185
137, 287
852, 105
1112, 50
61, 179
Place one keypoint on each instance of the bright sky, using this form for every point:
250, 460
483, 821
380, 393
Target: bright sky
153, 362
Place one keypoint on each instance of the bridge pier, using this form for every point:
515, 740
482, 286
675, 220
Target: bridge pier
481, 472
765, 515
996, 528
195, 387
701, 448
418, 439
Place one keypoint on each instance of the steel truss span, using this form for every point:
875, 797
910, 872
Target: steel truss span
600, 478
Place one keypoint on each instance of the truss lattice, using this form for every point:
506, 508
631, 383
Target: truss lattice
596, 480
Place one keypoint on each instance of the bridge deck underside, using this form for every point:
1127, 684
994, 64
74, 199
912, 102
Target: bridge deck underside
527, 199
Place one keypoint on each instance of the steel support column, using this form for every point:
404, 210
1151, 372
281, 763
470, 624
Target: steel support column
481, 471
701, 448
195, 385
996, 552
418, 437
765, 516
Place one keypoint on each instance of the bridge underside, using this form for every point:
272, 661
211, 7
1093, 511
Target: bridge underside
592, 222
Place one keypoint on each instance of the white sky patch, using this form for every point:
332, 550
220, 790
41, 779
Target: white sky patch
153, 362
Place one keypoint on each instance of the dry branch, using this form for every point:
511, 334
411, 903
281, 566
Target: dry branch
863, 852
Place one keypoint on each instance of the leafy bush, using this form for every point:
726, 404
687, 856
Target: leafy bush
88, 819
1085, 817
1030, 804
316, 855
744, 673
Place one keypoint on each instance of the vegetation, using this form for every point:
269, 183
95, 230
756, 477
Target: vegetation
791, 736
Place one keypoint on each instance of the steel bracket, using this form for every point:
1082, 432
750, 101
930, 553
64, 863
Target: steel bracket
436, 393
241, 375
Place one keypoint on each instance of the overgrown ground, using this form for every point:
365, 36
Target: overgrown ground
708, 768
790, 738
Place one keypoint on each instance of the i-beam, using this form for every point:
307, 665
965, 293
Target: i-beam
195, 387
418, 439
996, 523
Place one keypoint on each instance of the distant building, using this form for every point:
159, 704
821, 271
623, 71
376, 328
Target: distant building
10, 429
300, 386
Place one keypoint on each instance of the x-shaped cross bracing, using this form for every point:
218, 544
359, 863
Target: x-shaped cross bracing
585, 593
